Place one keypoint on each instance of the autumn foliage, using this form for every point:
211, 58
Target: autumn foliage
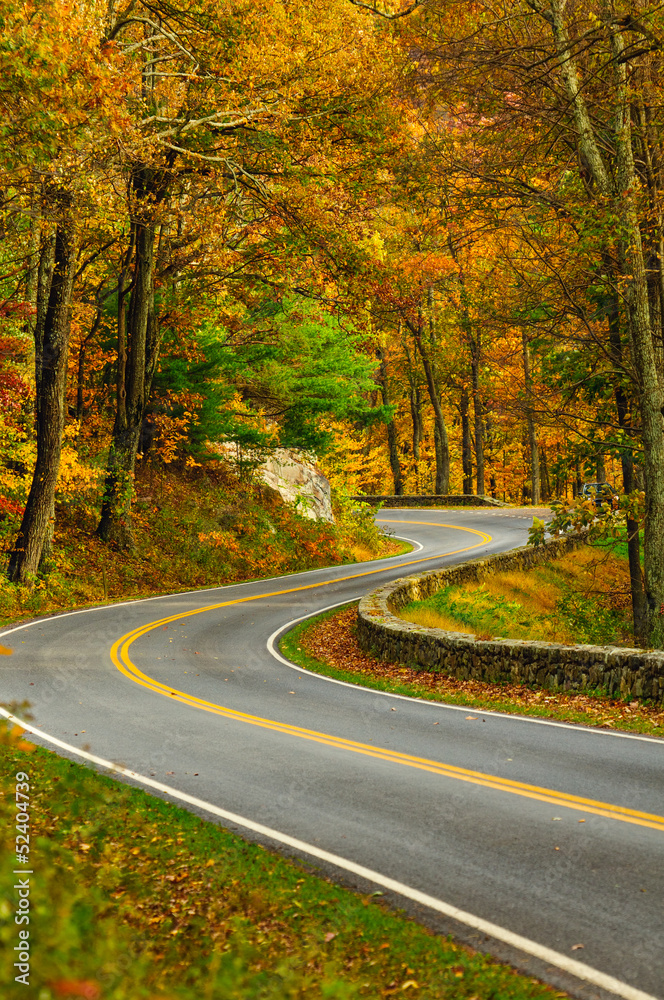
398, 237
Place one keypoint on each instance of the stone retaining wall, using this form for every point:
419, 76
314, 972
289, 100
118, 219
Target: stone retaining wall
615, 671
432, 500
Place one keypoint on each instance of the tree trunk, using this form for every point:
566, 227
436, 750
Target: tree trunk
34, 255
416, 417
650, 395
600, 467
441, 445
138, 351
466, 444
532, 434
415, 397
442, 484
639, 606
392, 438
51, 354
544, 476
622, 194
478, 409
475, 352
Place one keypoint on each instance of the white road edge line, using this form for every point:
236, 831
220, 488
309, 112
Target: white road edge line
578, 969
440, 705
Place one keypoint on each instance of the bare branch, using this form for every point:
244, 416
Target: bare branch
373, 9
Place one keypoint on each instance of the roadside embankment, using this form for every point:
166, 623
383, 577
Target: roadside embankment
618, 672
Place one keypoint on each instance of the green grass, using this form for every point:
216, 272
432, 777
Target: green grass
575, 618
618, 546
133, 898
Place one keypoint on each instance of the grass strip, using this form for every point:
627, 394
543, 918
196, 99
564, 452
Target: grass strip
134, 898
326, 644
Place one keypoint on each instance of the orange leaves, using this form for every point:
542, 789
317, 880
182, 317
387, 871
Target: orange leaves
225, 540
15, 389
59, 86
170, 434
428, 268
11, 734
81, 989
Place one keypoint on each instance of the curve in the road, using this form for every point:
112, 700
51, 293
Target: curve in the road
548, 955
120, 657
515, 831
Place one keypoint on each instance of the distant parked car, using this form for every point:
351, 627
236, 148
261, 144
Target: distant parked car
600, 493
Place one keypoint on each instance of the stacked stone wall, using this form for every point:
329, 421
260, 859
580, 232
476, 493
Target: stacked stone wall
615, 671
431, 500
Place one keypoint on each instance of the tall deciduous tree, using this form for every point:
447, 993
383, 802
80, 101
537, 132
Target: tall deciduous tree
543, 79
60, 111
234, 113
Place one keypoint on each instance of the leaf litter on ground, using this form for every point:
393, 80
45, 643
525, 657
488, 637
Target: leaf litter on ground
137, 899
329, 645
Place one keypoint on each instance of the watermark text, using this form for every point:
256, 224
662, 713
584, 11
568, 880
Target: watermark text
22, 884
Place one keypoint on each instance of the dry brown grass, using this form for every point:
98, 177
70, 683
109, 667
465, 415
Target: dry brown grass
531, 597
429, 618
363, 553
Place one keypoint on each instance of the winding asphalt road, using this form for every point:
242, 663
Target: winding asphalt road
538, 842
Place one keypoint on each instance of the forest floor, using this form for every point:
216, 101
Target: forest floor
327, 644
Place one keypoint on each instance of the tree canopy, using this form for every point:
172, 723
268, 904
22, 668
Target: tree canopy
422, 240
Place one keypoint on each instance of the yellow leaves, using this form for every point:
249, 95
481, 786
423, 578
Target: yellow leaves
384, 176
374, 246
72, 430
171, 433
4, 651
75, 480
61, 88
221, 540
409, 984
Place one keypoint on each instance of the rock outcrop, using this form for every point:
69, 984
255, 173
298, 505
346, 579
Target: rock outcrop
300, 482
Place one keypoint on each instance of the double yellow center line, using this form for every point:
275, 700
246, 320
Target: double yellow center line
121, 658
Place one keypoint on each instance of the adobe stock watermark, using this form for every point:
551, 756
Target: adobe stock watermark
22, 884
